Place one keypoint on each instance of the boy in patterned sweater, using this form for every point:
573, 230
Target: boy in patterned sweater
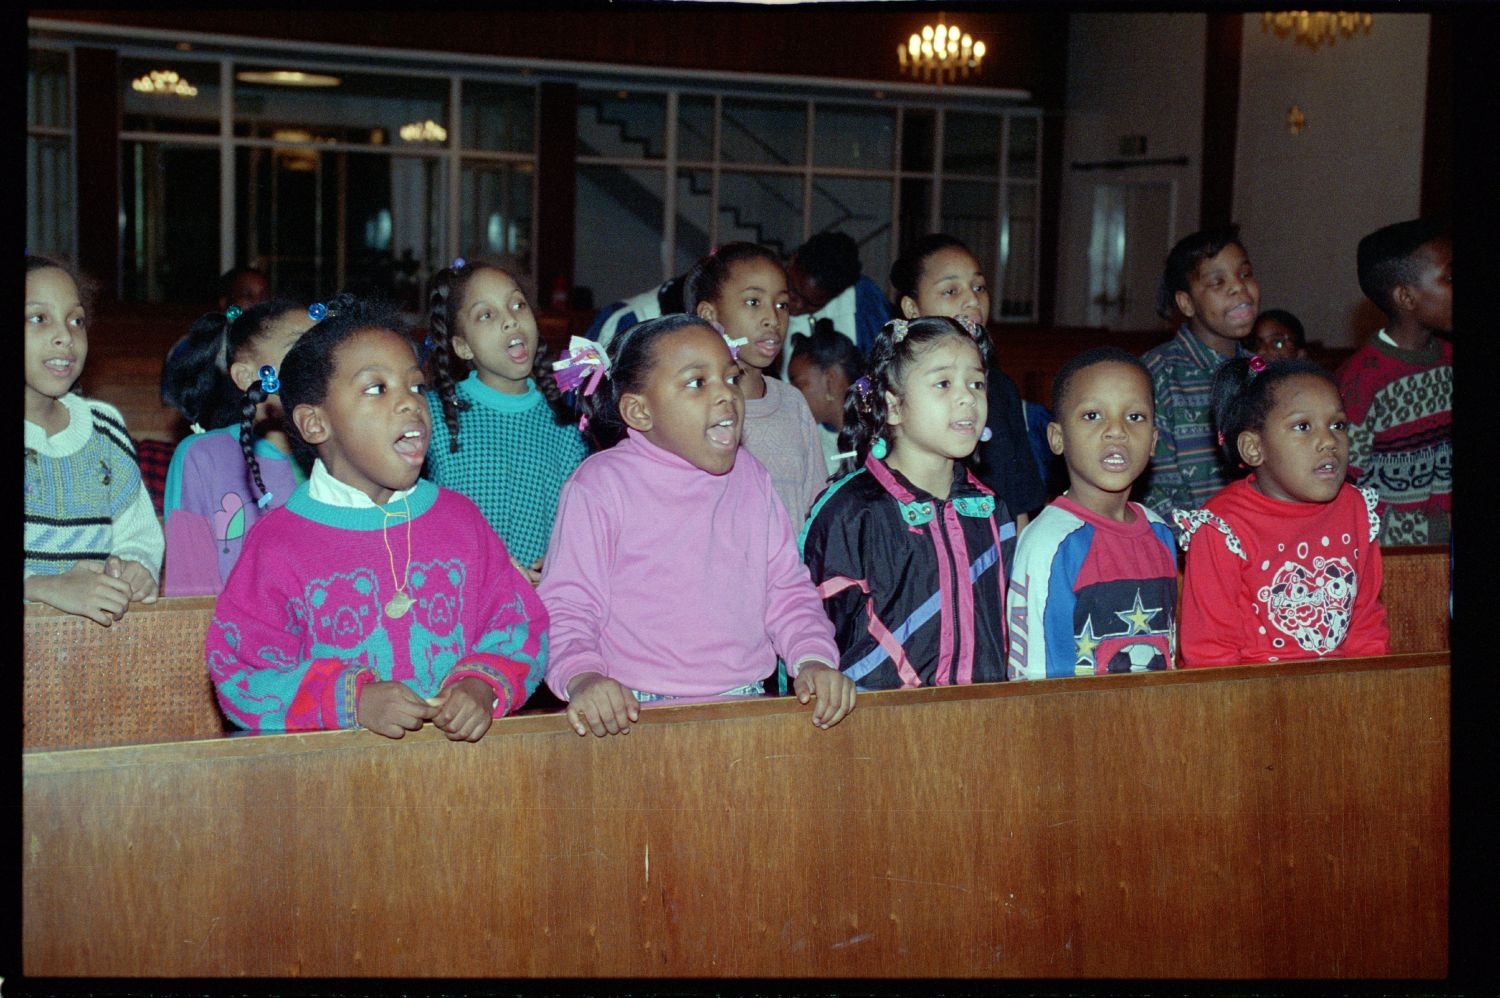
1398, 388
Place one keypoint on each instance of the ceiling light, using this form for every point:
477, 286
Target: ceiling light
164, 83
286, 78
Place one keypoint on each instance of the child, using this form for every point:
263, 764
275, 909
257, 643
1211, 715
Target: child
1094, 585
824, 282
214, 494
1399, 386
372, 598
1209, 280
939, 276
502, 433
673, 572
1279, 336
910, 551
92, 544
741, 289
822, 368
1293, 542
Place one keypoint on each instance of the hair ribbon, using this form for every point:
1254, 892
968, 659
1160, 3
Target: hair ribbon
734, 345
583, 363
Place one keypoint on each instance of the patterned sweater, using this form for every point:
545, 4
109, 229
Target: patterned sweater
512, 461
83, 494
211, 504
1308, 572
1185, 469
781, 434
1400, 408
1090, 595
299, 628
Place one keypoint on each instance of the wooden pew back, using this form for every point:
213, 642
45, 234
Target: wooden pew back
143, 679
1267, 821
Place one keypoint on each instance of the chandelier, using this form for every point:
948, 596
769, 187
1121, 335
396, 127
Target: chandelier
164, 82
1313, 28
942, 54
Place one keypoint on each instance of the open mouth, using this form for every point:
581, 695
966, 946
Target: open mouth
1241, 312
412, 445
968, 427
60, 366
517, 350
725, 433
1330, 468
1114, 459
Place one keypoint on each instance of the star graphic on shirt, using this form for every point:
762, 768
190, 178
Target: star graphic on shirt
1138, 617
1085, 642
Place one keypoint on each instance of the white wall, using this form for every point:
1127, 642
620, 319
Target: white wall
1303, 201
1128, 74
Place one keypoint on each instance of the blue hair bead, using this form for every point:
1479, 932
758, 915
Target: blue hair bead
233, 312
459, 263
316, 311
880, 449
269, 382
264, 500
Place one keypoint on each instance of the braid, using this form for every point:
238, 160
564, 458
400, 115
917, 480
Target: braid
442, 359
254, 396
546, 383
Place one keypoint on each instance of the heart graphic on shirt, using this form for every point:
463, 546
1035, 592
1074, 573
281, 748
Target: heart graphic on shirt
1312, 607
229, 519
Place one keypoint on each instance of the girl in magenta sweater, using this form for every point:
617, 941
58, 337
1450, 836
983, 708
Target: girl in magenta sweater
372, 598
1293, 541
672, 570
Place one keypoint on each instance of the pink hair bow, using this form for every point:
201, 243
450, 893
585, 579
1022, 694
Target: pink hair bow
583, 363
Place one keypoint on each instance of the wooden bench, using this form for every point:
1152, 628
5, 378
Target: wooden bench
1222, 823
143, 679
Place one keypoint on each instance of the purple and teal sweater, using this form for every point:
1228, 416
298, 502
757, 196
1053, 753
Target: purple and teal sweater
299, 628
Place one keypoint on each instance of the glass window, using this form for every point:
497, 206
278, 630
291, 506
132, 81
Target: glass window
761, 208
971, 143
1018, 253
971, 212
170, 94
694, 218
695, 128
498, 118
496, 213
49, 183
763, 133
618, 230
916, 211
622, 124
397, 109
862, 209
1021, 153
170, 245
856, 137
47, 91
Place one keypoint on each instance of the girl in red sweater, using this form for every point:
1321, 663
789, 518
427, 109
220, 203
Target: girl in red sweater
1281, 564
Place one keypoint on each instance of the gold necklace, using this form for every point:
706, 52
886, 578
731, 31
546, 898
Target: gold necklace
398, 604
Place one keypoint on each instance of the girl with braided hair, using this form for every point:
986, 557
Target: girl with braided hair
238, 463
910, 550
502, 433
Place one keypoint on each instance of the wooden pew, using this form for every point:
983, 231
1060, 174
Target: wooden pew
1283, 821
143, 679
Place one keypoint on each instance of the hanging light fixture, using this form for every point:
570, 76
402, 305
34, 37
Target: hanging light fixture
1313, 28
423, 131
163, 83
941, 54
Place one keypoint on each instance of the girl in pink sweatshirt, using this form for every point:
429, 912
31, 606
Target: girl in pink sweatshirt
673, 571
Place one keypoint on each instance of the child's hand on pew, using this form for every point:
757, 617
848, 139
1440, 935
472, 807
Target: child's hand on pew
86, 589
390, 708
599, 704
135, 575
465, 709
833, 689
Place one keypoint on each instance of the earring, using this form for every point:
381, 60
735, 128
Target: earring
879, 449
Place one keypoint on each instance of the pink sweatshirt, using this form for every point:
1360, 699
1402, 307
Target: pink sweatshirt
675, 581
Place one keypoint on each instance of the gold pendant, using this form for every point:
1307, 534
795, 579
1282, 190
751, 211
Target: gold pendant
398, 605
